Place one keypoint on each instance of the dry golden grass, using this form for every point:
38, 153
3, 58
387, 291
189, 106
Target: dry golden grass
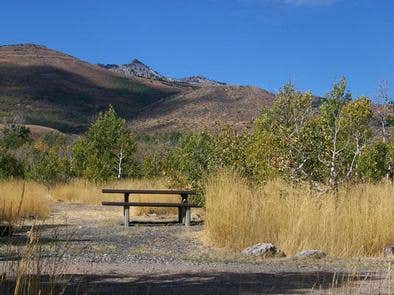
361, 223
82, 191
23, 199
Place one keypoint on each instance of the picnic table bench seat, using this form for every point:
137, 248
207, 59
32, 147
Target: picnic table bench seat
184, 207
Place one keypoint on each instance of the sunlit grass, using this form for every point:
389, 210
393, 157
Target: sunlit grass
20, 199
360, 223
86, 192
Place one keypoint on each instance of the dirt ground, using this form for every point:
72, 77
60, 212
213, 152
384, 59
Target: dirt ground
91, 252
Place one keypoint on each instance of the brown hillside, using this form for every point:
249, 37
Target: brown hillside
53, 89
204, 108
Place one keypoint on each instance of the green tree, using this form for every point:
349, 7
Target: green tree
332, 129
106, 151
344, 126
278, 145
356, 116
10, 166
375, 162
49, 168
230, 150
191, 161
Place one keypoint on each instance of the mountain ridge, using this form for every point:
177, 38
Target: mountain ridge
139, 69
50, 88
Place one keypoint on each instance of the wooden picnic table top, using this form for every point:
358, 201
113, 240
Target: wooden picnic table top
147, 191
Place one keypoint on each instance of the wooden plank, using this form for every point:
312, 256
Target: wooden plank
150, 192
145, 204
180, 215
126, 210
188, 216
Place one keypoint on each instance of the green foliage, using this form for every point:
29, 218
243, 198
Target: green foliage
294, 141
345, 132
54, 139
151, 166
198, 155
262, 155
10, 166
106, 150
49, 168
230, 150
377, 162
191, 161
15, 136
279, 145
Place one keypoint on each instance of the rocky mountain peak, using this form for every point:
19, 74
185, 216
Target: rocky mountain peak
137, 62
201, 81
138, 69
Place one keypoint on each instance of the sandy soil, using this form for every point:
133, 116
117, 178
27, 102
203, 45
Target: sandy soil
94, 254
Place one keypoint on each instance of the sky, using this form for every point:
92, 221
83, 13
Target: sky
265, 43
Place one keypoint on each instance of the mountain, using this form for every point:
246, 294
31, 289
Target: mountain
50, 88
211, 107
138, 69
134, 69
200, 81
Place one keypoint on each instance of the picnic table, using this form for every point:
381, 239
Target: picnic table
184, 207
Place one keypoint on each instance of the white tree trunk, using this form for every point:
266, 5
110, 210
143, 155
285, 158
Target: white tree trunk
120, 163
333, 163
357, 153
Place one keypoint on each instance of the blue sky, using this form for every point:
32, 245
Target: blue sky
249, 42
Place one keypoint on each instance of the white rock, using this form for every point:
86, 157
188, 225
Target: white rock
311, 254
261, 249
389, 251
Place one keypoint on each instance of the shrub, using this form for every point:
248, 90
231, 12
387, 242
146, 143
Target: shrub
15, 136
10, 166
377, 161
49, 168
191, 161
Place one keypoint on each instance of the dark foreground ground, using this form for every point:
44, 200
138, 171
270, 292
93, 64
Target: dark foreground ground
85, 250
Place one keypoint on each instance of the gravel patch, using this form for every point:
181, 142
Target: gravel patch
158, 256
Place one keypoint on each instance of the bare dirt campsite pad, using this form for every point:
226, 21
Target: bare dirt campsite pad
97, 255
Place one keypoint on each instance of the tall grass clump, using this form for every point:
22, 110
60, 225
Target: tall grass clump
21, 199
360, 222
39, 268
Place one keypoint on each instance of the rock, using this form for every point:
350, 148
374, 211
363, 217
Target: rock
311, 254
389, 251
261, 249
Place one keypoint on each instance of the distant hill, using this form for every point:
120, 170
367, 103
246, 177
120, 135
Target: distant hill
37, 131
204, 108
54, 89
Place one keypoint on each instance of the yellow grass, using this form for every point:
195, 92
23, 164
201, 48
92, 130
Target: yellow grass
82, 191
15, 204
361, 223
